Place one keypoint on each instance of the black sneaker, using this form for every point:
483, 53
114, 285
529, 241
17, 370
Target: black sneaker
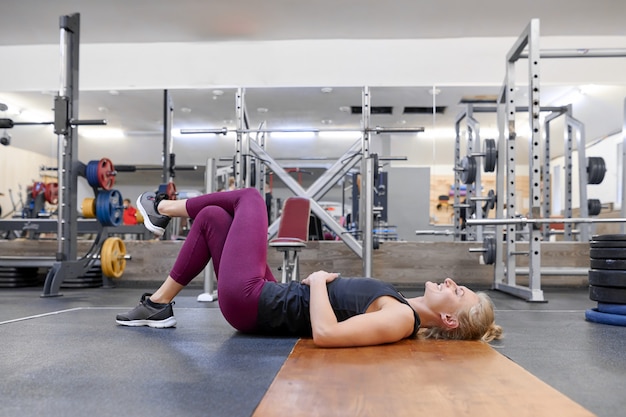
153, 220
148, 313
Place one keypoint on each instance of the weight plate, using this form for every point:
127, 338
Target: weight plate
112, 257
594, 207
491, 203
468, 170
608, 244
169, 189
607, 278
595, 316
106, 174
109, 208
37, 188
596, 169
91, 173
52, 192
612, 308
89, 208
491, 155
607, 294
489, 256
608, 264
607, 253
609, 237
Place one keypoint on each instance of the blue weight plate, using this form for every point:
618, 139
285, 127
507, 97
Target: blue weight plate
595, 316
609, 308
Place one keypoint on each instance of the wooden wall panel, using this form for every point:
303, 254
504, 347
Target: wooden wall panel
408, 264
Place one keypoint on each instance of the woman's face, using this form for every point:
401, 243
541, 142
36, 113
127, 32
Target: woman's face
448, 297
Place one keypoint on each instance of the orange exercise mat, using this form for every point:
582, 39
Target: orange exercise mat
410, 378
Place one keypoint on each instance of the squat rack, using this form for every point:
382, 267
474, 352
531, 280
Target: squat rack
527, 46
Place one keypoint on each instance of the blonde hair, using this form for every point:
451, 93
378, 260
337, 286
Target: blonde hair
475, 323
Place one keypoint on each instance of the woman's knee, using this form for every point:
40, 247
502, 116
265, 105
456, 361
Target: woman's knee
212, 215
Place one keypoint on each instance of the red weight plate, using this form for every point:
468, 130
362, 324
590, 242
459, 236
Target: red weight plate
106, 174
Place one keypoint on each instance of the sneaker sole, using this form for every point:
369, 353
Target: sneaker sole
157, 324
146, 220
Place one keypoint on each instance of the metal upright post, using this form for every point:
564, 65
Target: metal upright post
457, 182
367, 194
473, 129
67, 102
210, 293
623, 209
509, 104
578, 129
168, 146
240, 115
502, 174
66, 109
534, 162
530, 39
65, 126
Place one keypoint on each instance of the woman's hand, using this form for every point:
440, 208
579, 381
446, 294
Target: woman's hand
322, 276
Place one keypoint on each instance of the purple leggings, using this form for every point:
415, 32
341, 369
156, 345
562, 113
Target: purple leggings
230, 228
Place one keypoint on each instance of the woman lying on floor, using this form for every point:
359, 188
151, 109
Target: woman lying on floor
231, 229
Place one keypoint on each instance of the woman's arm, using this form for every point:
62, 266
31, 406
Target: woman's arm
393, 322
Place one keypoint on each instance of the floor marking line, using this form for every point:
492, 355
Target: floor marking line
36, 316
52, 313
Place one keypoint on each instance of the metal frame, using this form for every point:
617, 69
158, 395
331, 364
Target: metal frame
623, 208
547, 189
528, 39
247, 147
473, 194
67, 264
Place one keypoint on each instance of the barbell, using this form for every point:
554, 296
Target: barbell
525, 221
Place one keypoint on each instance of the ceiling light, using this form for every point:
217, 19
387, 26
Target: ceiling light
327, 90
92, 132
292, 135
345, 109
218, 92
114, 92
262, 110
340, 134
434, 91
103, 109
327, 122
185, 110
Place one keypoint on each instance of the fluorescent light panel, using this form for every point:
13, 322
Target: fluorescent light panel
100, 132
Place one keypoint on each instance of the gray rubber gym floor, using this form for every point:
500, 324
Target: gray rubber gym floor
65, 356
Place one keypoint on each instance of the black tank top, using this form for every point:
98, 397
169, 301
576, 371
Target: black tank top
284, 308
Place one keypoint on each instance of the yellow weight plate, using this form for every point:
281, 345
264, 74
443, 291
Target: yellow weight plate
89, 208
113, 257
139, 217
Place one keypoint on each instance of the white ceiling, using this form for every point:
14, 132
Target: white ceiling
139, 112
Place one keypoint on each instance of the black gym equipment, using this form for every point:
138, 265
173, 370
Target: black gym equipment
596, 169
607, 278
607, 294
594, 206
607, 253
611, 238
608, 264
